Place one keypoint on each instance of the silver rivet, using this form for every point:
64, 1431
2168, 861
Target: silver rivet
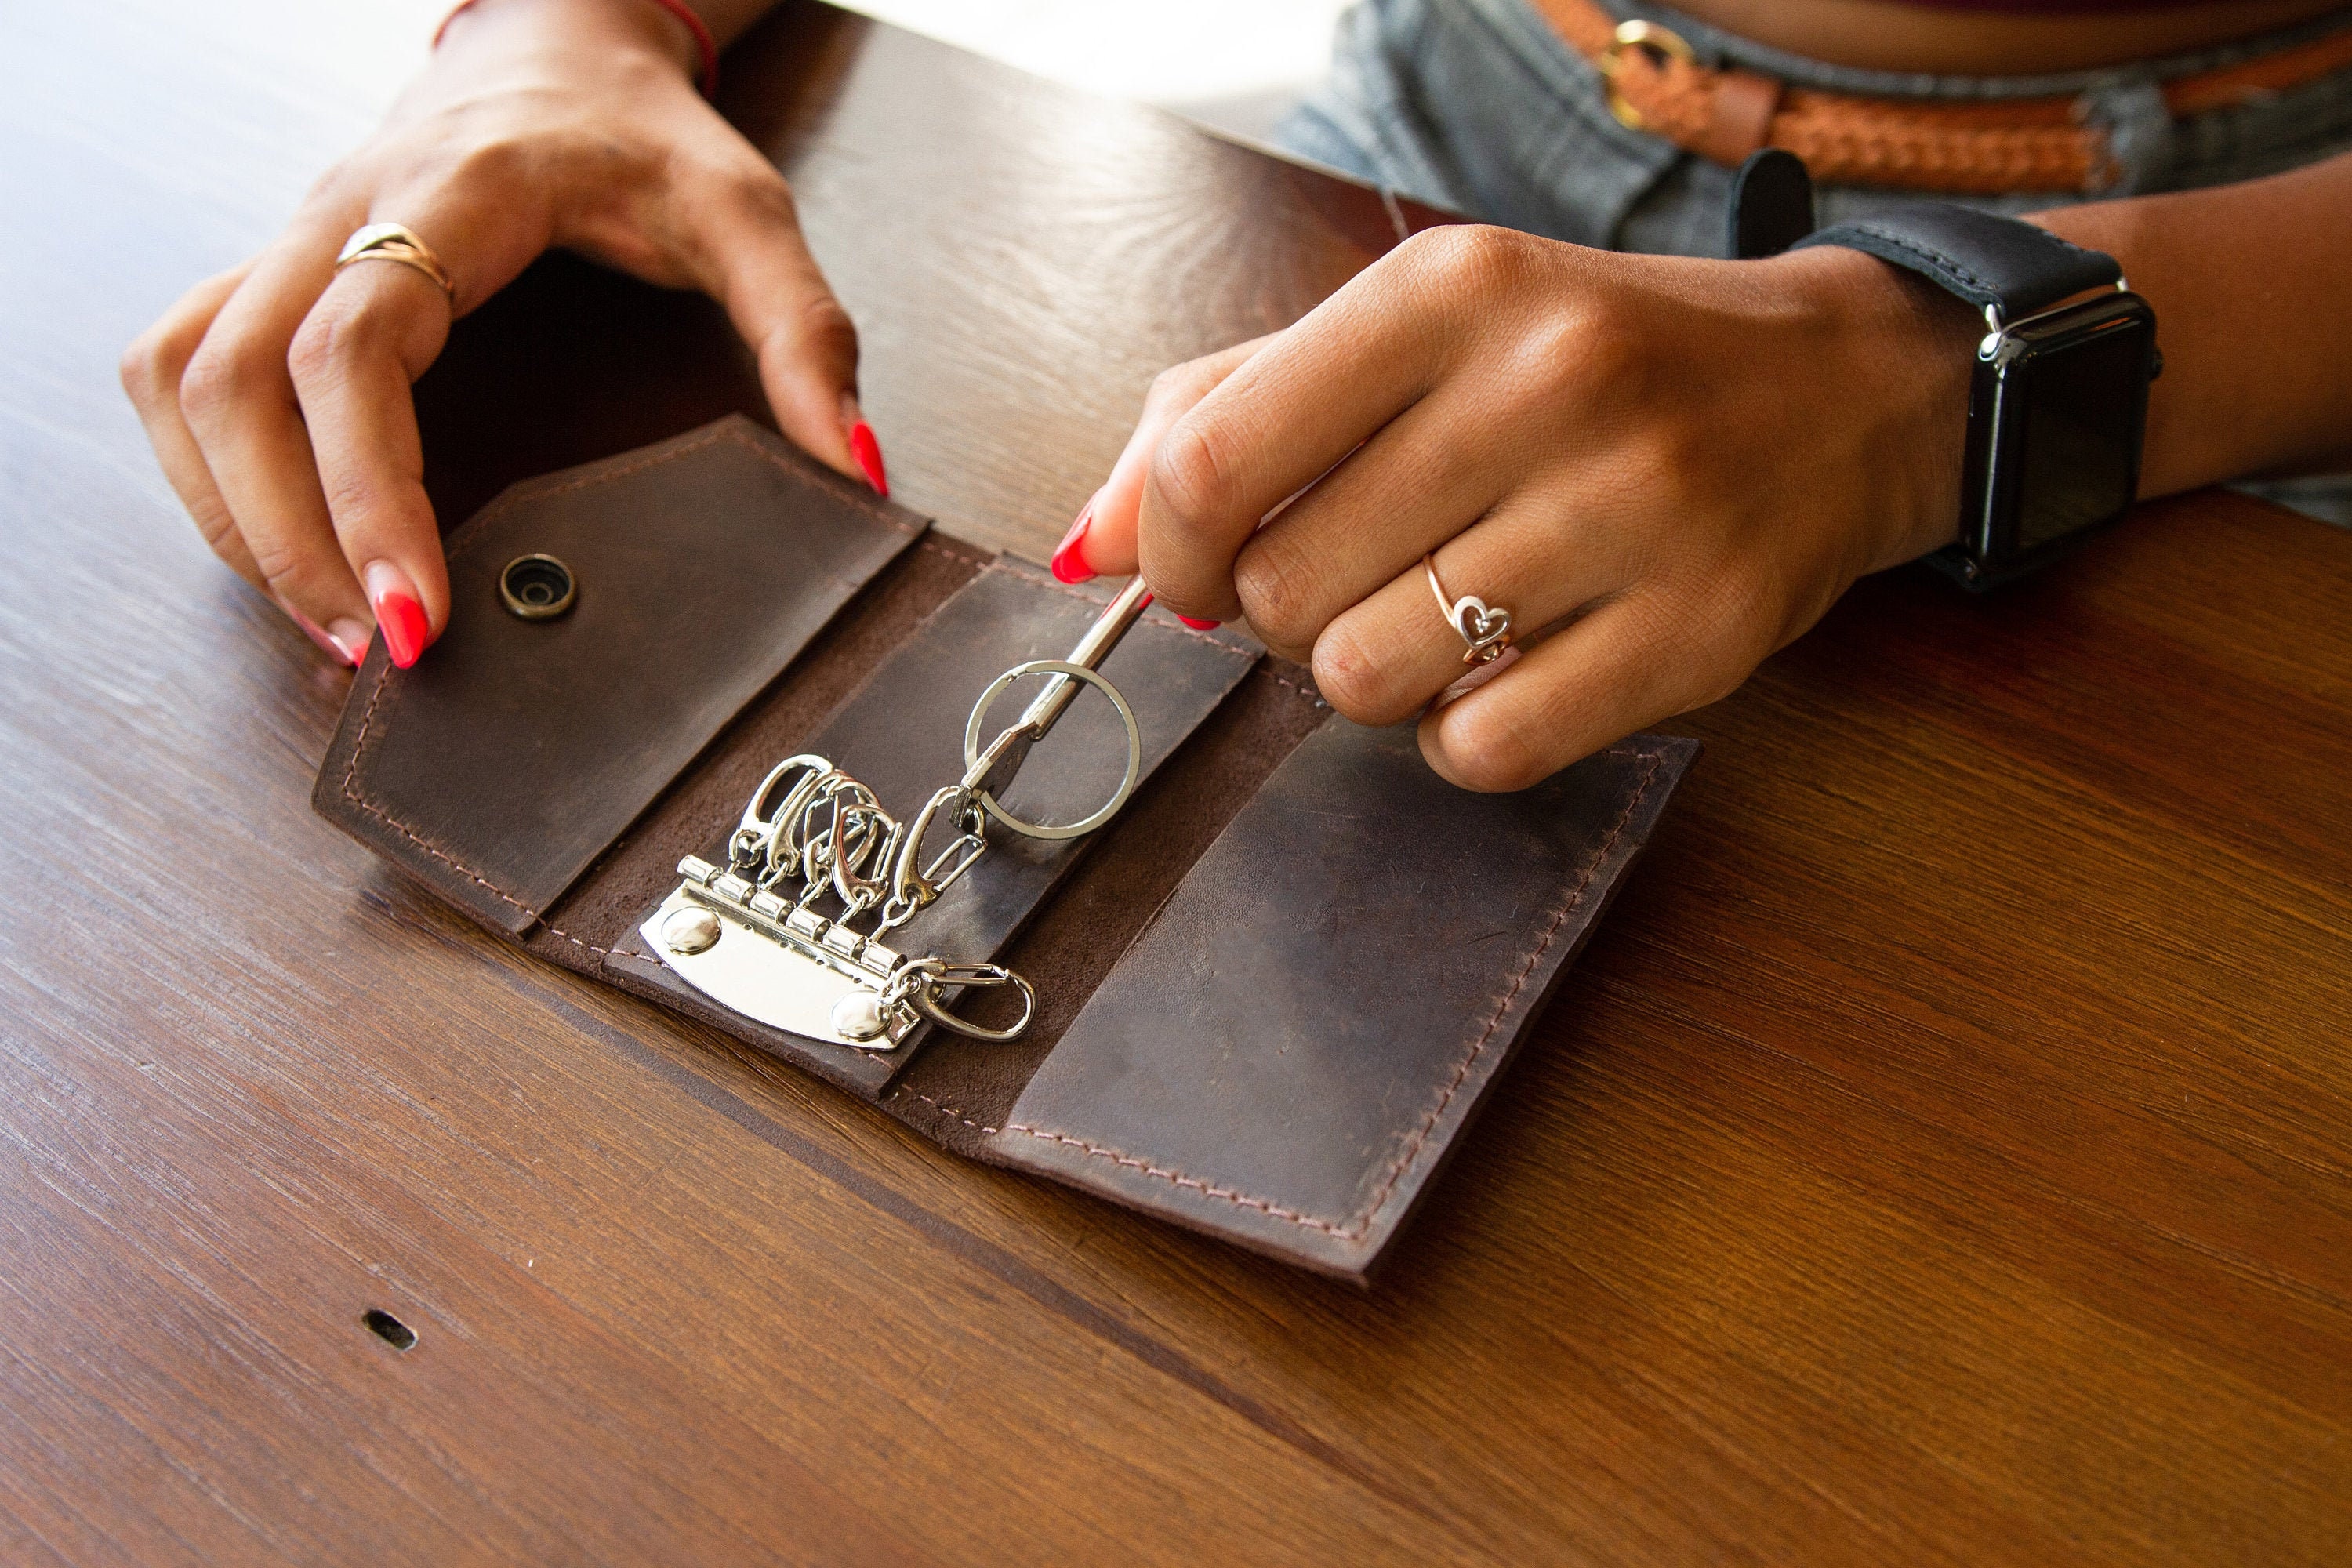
858, 1017
690, 931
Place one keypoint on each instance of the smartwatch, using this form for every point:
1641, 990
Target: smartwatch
2058, 403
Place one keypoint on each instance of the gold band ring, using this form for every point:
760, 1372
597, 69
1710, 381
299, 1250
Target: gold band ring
396, 242
1487, 631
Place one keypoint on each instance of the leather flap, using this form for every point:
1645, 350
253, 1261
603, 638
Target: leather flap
515, 753
1286, 1054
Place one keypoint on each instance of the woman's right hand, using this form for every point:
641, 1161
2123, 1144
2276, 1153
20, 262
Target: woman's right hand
277, 394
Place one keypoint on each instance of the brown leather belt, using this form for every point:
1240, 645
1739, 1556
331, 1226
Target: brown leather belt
1983, 148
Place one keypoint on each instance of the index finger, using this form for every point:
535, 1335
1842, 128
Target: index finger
1285, 417
373, 332
1107, 544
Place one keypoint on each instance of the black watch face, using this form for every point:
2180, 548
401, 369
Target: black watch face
2072, 404
2081, 434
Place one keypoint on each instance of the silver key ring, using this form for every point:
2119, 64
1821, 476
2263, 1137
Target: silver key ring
1127, 716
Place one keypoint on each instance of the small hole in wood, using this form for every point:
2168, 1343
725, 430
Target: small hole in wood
389, 1329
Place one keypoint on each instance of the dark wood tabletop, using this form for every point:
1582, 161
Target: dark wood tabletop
1942, 1155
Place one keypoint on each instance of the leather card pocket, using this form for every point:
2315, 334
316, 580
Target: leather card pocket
1285, 1055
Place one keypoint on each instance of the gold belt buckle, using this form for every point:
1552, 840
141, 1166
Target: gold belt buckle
1637, 35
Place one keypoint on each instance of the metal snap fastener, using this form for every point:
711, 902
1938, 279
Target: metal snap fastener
537, 587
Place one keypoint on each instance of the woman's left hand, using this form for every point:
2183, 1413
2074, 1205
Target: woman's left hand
1676, 464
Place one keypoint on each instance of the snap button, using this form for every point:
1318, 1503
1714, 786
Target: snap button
537, 587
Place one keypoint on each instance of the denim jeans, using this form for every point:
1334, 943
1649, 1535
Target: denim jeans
1478, 106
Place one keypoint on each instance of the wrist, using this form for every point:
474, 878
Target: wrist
1901, 362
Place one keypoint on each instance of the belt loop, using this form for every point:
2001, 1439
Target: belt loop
2136, 125
1740, 117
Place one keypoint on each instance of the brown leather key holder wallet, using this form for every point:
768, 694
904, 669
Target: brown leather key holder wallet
1269, 993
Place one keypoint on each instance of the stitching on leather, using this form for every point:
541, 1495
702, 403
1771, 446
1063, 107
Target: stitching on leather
457, 541
352, 793
515, 497
1575, 899
1308, 692
936, 548
944, 1110
453, 862
1397, 1167
1885, 236
588, 946
1965, 274
1230, 1194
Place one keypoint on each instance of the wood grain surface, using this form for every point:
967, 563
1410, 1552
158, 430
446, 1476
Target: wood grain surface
1942, 1155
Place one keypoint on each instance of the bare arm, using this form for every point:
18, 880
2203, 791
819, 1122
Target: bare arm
2253, 289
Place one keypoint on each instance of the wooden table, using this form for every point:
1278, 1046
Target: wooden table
1943, 1154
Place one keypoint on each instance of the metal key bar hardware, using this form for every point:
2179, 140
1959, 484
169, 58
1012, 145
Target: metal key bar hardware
790, 930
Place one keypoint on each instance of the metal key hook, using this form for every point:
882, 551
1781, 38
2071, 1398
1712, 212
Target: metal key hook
757, 936
925, 977
762, 846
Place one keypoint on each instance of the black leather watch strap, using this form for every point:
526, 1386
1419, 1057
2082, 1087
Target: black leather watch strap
1984, 259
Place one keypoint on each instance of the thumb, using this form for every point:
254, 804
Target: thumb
805, 342
1102, 542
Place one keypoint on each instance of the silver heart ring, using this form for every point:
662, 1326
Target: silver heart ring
1488, 631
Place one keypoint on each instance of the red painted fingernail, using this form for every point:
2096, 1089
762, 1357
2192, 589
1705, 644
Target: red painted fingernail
868, 453
862, 443
1070, 558
1200, 626
403, 620
397, 613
